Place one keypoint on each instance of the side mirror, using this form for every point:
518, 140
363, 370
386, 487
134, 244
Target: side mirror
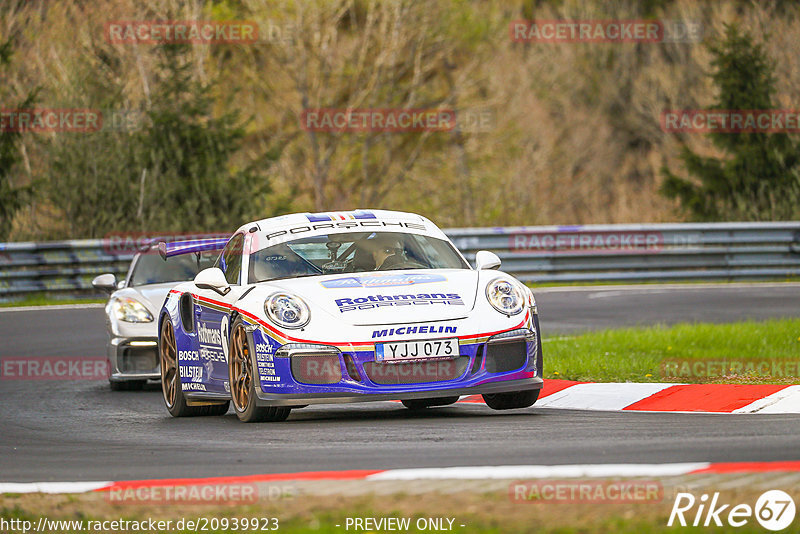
106, 282
486, 260
212, 278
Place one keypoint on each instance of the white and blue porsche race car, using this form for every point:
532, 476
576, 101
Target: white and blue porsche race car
345, 307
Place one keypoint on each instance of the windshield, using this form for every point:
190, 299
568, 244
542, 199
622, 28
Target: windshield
353, 253
150, 268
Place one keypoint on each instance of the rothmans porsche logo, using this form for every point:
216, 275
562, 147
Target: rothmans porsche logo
209, 336
379, 301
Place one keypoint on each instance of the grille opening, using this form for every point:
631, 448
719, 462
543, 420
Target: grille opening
186, 306
138, 360
316, 368
352, 370
387, 374
505, 357
476, 365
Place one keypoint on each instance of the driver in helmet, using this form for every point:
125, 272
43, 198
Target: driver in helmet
386, 251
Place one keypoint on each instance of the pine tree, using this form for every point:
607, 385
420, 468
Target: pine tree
12, 199
759, 179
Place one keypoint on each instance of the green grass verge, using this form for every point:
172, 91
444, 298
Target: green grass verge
745, 352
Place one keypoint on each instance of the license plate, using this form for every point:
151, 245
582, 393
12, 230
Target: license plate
404, 351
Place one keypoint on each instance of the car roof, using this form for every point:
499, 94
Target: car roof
333, 216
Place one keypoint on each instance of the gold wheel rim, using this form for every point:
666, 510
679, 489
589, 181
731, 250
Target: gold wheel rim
240, 371
169, 365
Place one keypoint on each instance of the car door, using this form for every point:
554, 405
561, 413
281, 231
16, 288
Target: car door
213, 313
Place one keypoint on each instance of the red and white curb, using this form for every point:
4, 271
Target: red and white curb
660, 397
501, 472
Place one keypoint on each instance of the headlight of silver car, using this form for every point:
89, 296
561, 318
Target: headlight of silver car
287, 310
130, 310
506, 297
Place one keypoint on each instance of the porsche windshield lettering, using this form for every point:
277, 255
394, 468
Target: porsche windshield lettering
342, 224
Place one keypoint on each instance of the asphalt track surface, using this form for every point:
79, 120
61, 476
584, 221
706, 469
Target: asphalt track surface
80, 430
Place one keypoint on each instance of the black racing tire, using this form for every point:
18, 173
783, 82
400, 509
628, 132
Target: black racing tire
511, 401
126, 385
242, 382
421, 404
174, 399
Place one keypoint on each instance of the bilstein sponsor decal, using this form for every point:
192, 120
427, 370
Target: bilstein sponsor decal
407, 330
376, 301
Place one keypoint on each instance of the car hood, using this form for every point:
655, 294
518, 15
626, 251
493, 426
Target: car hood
388, 297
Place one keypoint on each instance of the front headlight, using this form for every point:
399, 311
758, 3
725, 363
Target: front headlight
506, 297
130, 310
287, 310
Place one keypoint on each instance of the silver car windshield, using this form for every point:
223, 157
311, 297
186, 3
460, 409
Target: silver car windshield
150, 268
353, 253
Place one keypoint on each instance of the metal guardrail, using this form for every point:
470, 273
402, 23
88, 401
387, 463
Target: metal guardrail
642, 252
544, 254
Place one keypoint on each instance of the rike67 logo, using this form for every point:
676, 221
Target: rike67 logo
774, 510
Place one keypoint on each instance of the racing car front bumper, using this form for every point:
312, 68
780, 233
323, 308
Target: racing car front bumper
476, 370
133, 359
508, 386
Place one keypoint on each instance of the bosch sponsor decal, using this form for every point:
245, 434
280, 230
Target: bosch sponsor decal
263, 348
407, 330
265, 359
188, 355
266, 363
382, 280
377, 301
577, 241
352, 215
